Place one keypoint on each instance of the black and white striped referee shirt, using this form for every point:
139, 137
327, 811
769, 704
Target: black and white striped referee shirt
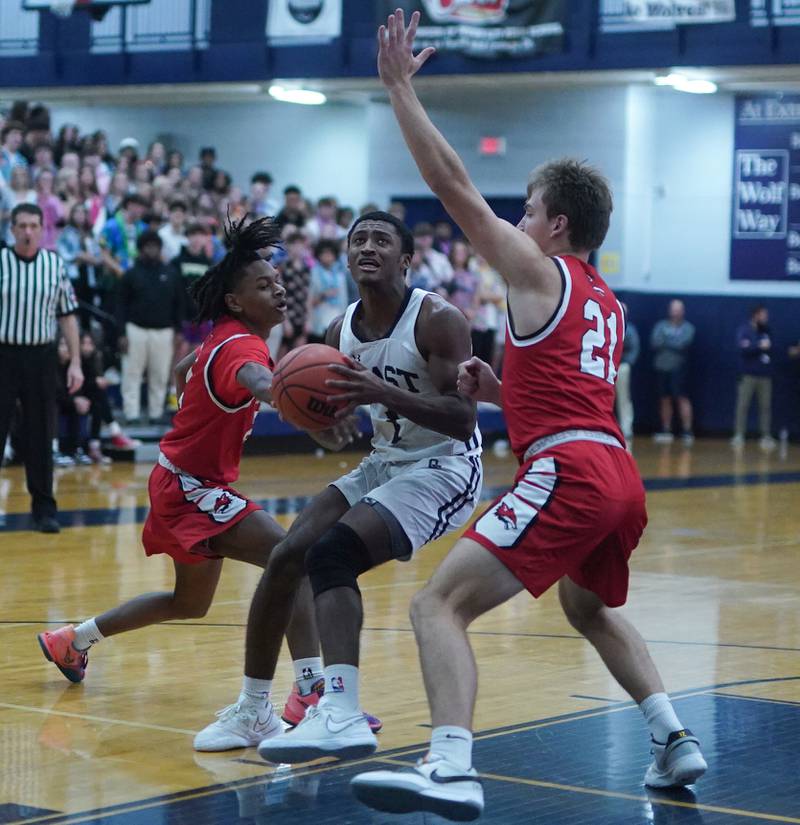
33, 295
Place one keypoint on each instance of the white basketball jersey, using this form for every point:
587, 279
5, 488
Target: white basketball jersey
397, 360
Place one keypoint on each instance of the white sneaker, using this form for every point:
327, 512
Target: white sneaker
325, 731
767, 443
664, 437
737, 442
238, 726
434, 785
676, 763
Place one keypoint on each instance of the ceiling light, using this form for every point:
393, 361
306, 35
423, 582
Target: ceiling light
303, 96
695, 86
681, 83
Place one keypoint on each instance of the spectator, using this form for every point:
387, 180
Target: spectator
397, 209
150, 315
68, 188
436, 261
260, 201
443, 237
172, 234
208, 166
327, 295
345, 217
18, 191
462, 290
43, 161
118, 239
83, 259
157, 157
323, 225
52, 210
10, 156
175, 161
128, 152
68, 141
293, 210
192, 262
755, 376
670, 341
90, 194
296, 275
419, 274
67, 449
490, 313
630, 354
37, 301
119, 189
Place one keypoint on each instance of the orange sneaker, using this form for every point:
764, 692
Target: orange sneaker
294, 710
57, 648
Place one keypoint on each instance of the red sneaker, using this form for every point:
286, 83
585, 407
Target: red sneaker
124, 442
294, 710
58, 649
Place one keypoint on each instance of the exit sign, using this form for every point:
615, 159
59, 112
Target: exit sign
492, 146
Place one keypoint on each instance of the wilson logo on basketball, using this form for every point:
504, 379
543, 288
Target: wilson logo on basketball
317, 405
507, 516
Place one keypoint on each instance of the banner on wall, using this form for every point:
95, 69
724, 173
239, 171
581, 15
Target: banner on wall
660, 15
774, 13
486, 28
298, 22
765, 232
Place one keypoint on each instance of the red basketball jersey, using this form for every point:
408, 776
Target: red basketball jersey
216, 412
562, 377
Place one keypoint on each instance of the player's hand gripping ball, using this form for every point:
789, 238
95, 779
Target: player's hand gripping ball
299, 391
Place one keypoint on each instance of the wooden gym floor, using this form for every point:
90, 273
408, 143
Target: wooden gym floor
714, 591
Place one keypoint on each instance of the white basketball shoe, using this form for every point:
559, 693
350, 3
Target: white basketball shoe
324, 731
433, 785
677, 762
241, 725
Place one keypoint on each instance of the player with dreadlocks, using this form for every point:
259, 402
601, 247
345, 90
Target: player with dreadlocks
195, 516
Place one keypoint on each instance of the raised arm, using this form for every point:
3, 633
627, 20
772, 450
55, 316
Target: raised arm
511, 252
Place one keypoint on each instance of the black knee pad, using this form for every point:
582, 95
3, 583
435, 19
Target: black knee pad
337, 560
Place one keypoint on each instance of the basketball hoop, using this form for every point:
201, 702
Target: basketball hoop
62, 8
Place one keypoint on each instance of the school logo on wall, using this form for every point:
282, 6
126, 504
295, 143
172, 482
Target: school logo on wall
486, 28
296, 22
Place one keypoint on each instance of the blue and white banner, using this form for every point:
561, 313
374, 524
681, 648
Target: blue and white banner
765, 231
302, 22
774, 13
660, 15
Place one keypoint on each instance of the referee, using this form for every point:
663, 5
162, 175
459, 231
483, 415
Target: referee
36, 298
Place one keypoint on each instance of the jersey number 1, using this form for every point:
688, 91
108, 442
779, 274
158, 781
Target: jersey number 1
599, 342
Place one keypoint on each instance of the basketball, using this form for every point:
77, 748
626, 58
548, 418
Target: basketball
298, 386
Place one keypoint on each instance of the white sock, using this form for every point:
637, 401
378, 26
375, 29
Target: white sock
86, 635
341, 688
660, 716
307, 673
255, 691
114, 428
453, 744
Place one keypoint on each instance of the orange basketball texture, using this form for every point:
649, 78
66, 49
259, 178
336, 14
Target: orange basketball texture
298, 386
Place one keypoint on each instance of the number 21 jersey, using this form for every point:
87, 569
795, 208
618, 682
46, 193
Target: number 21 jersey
562, 377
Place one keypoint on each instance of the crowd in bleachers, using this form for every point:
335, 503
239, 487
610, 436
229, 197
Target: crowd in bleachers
131, 219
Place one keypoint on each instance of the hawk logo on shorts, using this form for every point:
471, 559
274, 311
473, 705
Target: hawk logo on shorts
222, 503
507, 516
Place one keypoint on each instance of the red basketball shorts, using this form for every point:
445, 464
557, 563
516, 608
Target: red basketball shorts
186, 512
575, 510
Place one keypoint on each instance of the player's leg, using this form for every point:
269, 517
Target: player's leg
764, 390
677, 756
468, 583
271, 609
252, 540
404, 509
191, 597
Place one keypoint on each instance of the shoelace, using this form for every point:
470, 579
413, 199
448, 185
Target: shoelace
230, 711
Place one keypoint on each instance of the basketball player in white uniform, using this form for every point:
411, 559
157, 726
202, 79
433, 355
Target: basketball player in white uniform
422, 480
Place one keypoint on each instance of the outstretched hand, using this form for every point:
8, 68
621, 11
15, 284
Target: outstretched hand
396, 60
